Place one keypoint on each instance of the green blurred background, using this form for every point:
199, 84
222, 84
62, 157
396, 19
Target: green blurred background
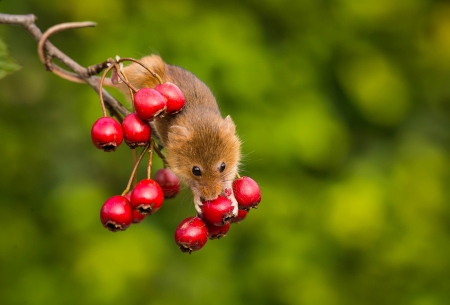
344, 112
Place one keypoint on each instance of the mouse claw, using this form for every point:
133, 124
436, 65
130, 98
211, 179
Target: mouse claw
234, 204
199, 210
228, 192
198, 205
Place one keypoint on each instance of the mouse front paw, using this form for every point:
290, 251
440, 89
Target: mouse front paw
198, 205
234, 204
228, 192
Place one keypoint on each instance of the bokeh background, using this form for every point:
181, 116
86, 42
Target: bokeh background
344, 112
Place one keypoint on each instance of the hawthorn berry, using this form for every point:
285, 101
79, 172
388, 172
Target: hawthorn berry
240, 216
247, 192
191, 234
146, 197
218, 212
136, 131
116, 213
106, 134
148, 103
168, 181
175, 99
216, 232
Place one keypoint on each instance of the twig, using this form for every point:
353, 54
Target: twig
47, 60
80, 74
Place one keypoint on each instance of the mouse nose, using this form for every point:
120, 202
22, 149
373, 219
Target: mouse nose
210, 192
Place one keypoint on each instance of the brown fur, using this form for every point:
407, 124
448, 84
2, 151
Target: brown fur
196, 136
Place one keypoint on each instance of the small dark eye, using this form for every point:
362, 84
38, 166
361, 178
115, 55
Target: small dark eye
222, 167
196, 171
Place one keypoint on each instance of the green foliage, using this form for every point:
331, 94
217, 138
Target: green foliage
343, 109
7, 65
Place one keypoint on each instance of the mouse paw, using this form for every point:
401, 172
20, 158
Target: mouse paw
198, 205
228, 192
234, 204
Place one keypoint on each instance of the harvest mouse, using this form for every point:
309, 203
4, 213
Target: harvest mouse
202, 147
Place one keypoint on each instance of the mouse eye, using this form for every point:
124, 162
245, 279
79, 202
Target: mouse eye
196, 171
222, 167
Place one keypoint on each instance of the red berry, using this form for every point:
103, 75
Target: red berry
174, 97
106, 134
240, 216
191, 234
148, 103
116, 213
137, 217
216, 232
136, 131
218, 211
147, 197
247, 192
168, 182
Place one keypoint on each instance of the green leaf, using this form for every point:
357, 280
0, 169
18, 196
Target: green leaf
7, 64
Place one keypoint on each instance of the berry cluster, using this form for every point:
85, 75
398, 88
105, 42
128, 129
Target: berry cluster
217, 216
146, 198
148, 103
147, 195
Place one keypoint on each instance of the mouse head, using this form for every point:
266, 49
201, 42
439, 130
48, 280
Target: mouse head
206, 156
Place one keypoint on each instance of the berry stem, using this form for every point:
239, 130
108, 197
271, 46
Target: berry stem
100, 90
159, 153
133, 151
150, 157
125, 80
156, 75
133, 173
238, 176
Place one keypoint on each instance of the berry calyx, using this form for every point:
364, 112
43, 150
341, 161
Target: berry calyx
147, 197
148, 103
240, 216
168, 181
191, 234
175, 99
218, 212
247, 192
116, 213
136, 131
106, 134
217, 232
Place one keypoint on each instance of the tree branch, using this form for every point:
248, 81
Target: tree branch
81, 74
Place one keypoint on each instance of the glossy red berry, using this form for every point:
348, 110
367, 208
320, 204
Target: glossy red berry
218, 212
136, 131
247, 193
240, 216
106, 134
191, 234
148, 103
168, 181
147, 197
216, 232
116, 213
175, 99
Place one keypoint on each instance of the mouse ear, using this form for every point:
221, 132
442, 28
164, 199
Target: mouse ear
178, 133
228, 125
